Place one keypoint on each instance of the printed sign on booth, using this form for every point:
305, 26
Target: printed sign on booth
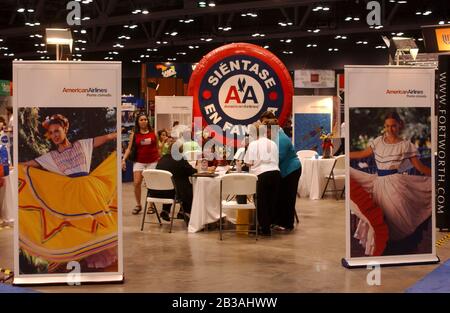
234, 84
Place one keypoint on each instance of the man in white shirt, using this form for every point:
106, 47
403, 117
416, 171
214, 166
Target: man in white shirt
262, 158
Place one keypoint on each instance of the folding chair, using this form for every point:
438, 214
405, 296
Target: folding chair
161, 181
337, 173
238, 184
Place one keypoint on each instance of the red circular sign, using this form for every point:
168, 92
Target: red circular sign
232, 85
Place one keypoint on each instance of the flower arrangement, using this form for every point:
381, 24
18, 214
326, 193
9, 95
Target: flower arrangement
326, 144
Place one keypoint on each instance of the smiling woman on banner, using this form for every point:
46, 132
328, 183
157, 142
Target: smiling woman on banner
66, 212
405, 200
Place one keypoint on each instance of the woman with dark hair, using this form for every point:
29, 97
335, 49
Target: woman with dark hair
163, 142
66, 211
144, 145
404, 199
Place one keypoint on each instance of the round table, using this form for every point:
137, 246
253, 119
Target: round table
313, 179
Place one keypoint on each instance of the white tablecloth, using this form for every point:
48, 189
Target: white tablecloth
205, 203
6, 199
313, 181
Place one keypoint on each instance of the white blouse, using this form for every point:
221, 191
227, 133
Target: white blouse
393, 156
263, 153
73, 160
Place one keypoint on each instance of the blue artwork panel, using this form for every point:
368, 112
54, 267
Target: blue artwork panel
307, 129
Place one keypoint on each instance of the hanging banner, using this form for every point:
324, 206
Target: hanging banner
390, 143
234, 84
170, 70
443, 149
69, 199
314, 79
173, 114
312, 116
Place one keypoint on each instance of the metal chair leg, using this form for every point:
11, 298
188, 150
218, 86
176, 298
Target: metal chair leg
256, 219
325, 189
173, 213
220, 222
157, 214
335, 189
296, 217
145, 214
342, 193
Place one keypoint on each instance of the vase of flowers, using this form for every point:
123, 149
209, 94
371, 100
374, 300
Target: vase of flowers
326, 144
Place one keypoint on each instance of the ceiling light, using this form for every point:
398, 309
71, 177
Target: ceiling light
211, 4
30, 10
86, 18
83, 31
145, 12
427, 12
21, 10
266, 47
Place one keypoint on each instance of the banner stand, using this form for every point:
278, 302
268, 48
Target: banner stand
67, 280
390, 149
364, 262
68, 199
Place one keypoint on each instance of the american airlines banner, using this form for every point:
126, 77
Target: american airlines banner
69, 215
443, 151
390, 165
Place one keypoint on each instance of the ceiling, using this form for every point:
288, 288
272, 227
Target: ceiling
162, 30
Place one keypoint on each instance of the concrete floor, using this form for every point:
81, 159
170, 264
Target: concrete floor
306, 260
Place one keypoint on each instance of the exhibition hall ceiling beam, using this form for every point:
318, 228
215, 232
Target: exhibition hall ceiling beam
143, 44
171, 14
305, 16
392, 14
105, 13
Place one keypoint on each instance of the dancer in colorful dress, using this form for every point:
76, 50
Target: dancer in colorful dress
66, 212
404, 199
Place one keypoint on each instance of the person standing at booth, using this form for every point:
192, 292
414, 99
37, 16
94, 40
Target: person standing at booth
290, 171
143, 151
262, 159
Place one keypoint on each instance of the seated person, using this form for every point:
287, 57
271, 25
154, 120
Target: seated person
181, 171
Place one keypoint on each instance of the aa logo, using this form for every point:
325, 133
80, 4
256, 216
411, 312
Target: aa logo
241, 93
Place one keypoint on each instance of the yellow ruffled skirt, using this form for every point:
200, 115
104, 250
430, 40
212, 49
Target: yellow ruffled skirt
63, 219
